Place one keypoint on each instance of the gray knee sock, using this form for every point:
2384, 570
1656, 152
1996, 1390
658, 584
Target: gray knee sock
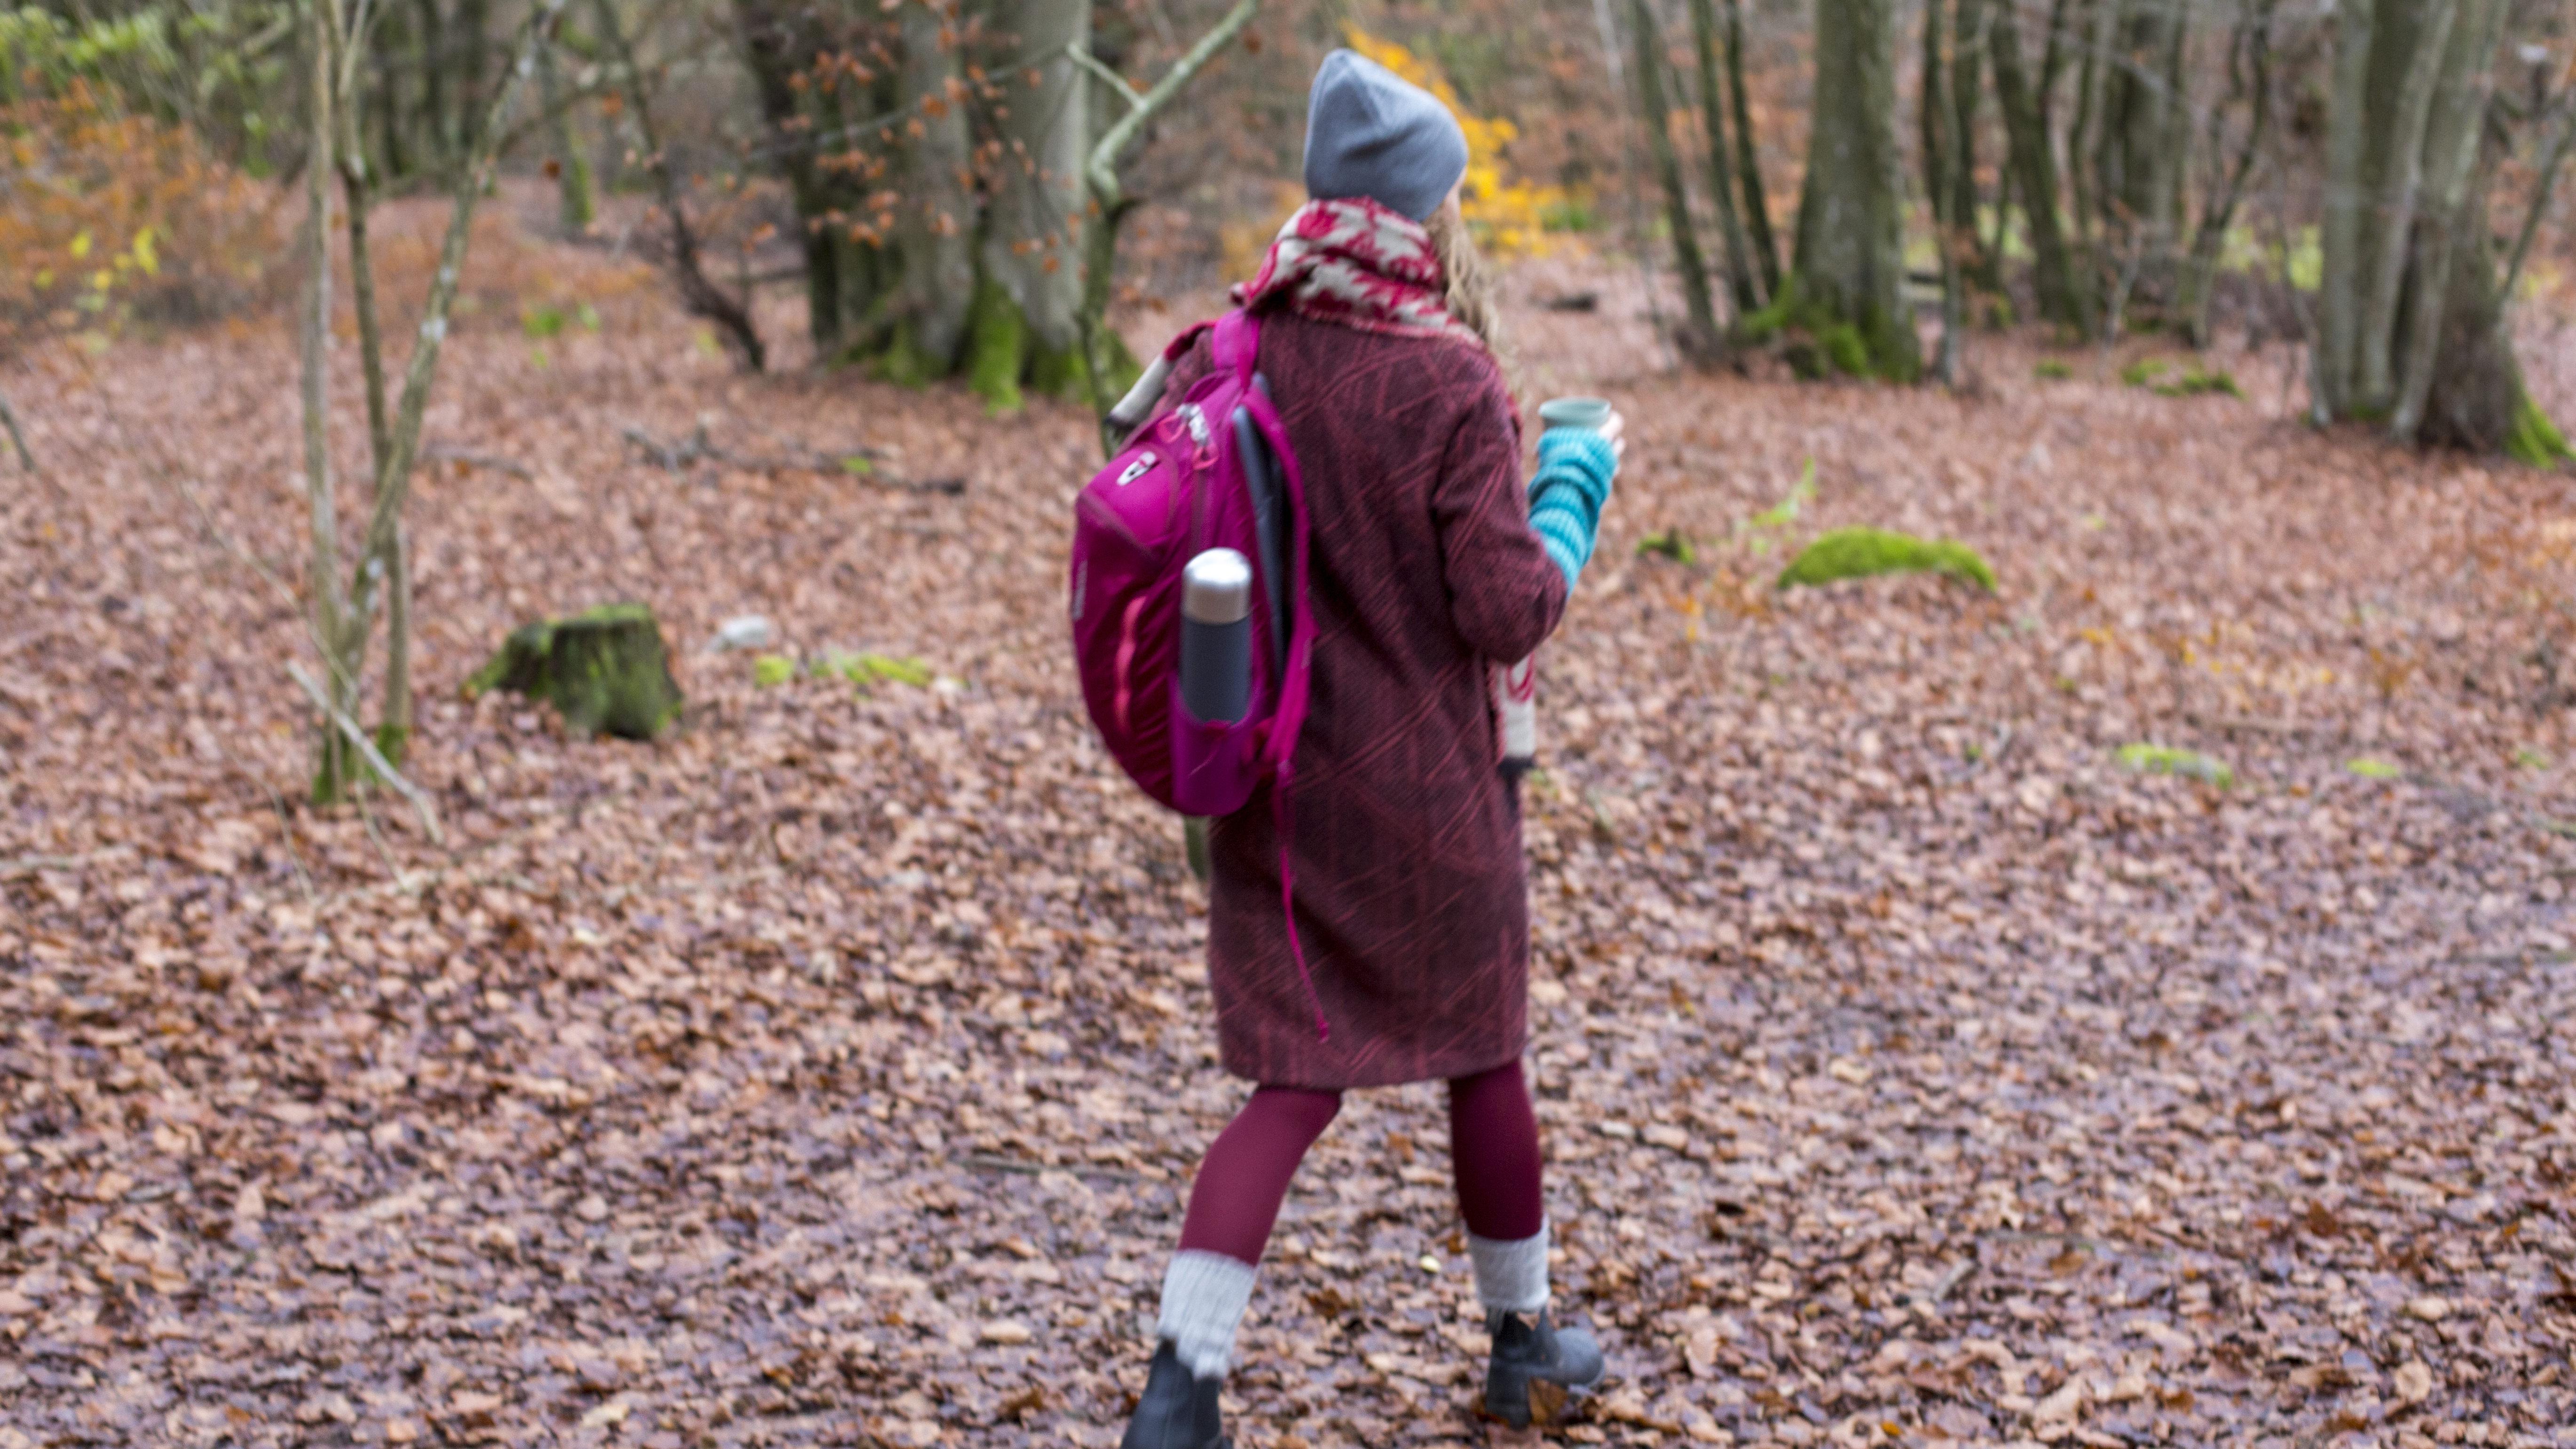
1511, 1273
1204, 1295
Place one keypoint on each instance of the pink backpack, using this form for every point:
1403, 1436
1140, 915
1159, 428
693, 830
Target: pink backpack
1213, 472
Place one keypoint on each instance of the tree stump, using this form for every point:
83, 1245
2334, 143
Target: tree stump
605, 671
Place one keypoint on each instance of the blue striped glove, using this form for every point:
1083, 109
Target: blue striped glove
1575, 466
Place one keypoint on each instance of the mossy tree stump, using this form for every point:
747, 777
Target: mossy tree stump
605, 671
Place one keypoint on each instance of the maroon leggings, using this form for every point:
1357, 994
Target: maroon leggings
1493, 1147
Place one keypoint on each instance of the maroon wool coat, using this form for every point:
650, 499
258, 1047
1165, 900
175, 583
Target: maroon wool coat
1411, 898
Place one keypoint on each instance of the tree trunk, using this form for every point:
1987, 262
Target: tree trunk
1032, 254
1721, 168
2249, 70
2410, 134
2451, 249
2061, 298
381, 562
1748, 158
1849, 281
2084, 189
1966, 92
776, 48
574, 209
935, 231
1699, 341
331, 776
471, 53
2340, 232
1939, 157
437, 134
2407, 55
2144, 136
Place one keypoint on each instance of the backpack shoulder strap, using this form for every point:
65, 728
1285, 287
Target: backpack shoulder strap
1238, 343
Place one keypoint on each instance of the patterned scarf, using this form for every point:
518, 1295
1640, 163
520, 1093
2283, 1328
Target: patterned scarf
1358, 264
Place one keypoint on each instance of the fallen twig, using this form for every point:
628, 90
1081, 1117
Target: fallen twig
1947, 1284
2240, 723
31, 864
441, 453
990, 1163
356, 735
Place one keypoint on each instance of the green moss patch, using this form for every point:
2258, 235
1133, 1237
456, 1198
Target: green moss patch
2165, 380
2535, 440
2167, 760
2052, 369
1858, 553
1672, 543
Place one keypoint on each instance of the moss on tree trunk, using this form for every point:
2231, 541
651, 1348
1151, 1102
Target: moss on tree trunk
605, 671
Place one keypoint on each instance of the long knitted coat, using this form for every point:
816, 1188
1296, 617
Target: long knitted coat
1411, 898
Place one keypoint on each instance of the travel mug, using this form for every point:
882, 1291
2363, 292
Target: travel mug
1216, 636
1515, 686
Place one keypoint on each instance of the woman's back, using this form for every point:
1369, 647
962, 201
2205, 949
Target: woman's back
1405, 839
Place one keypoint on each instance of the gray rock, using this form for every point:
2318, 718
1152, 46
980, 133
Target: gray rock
747, 631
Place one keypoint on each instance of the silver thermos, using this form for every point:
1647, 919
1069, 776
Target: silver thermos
1216, 636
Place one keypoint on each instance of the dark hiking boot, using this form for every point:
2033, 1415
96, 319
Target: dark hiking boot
1535, 1365
1177, 1409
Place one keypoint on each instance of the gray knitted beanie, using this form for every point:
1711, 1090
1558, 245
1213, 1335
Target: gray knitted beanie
1372, 133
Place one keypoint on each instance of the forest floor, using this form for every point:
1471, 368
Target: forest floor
833, 1071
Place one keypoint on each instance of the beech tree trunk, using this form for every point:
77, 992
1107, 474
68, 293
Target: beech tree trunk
2062, 297
935, 225
777, 46
1850, 269
2145, 137
2410, 325
1033, 245
1966, 94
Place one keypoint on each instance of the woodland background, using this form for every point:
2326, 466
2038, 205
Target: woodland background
2127, 1006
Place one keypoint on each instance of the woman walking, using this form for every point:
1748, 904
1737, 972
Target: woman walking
1432, 563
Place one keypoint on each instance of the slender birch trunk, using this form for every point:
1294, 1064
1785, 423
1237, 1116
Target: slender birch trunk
1748, 158
1699, 341
1721, 166
1938, 159
330, 608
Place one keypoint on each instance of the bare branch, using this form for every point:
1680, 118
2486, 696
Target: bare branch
356, 735
1082, 56
1102, 169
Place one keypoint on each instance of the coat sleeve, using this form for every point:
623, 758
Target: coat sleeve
1505, 594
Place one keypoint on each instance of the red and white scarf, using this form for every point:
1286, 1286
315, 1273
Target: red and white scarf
1356, 263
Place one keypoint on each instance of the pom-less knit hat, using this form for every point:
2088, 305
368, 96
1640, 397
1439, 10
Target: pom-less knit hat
1372, 133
